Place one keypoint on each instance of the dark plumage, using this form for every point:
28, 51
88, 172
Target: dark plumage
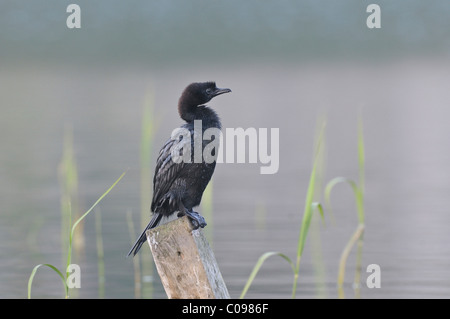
178, 185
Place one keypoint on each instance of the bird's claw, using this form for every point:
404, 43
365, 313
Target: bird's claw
196, 219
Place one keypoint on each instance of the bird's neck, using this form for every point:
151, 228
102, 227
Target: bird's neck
208, 116
187, 111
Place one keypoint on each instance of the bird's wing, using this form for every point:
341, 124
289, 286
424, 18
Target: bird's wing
169, 166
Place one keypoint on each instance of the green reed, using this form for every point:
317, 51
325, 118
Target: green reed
357, 236
100, 254
311, 204
309, 208
136, 263
69, 249
207, 211
144, 287
69, 181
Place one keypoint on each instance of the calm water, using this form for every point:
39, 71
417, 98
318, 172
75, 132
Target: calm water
405, 107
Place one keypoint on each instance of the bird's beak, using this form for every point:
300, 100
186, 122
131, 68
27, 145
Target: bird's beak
220, 91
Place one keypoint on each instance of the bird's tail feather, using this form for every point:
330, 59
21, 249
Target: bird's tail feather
143, 237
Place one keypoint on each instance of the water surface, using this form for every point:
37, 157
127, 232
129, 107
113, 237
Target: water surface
405, 110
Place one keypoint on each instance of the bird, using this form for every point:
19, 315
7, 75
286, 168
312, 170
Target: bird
178, 186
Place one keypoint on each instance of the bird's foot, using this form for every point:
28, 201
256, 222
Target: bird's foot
196, 219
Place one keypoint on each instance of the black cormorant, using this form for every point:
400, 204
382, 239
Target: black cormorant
178, 185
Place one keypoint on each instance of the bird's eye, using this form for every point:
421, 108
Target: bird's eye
208, 91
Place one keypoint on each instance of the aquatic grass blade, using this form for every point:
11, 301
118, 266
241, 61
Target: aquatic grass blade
96, 203
359, 199
149, 126
335, 181
68, 180
33, 273
318, 206
100, 254
358, 190
207, 211
357, 235
258, 265
361, 155
69, 255
136, 260
310, 206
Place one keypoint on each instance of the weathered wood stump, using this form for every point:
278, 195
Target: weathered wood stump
185, 262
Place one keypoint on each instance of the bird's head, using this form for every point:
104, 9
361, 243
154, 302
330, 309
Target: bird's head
199, 93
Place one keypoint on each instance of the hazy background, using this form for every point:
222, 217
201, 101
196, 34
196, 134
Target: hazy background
288, 63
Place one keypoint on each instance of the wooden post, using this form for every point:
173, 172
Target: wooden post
185, 262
